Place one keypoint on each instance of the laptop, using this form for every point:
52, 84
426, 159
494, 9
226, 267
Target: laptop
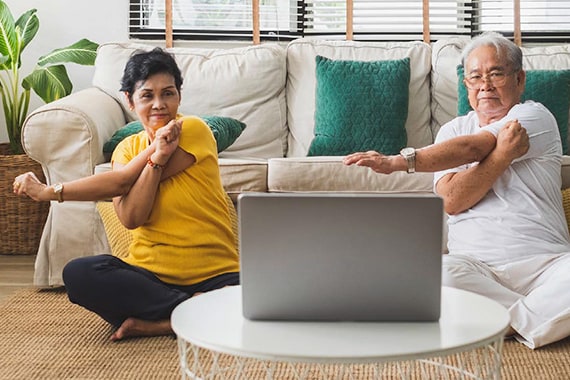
340, 257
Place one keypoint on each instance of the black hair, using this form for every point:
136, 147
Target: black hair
143, 64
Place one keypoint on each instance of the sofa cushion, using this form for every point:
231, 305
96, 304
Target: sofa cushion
247, 84
238, 174
301, 84
565, 172
549, 87
241, 175
322, 174
225, 129
360, 106
118, 236
566, 205
130, 129
446, 56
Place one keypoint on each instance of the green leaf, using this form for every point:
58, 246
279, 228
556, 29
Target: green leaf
27, 26
49, 80
82, 52
8, 36
49, 83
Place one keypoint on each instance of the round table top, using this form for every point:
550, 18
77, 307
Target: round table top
214, 321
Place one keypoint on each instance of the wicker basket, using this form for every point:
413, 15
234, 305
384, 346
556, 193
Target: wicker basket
21, 219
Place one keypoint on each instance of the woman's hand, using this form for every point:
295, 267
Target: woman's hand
166, 141
28, 184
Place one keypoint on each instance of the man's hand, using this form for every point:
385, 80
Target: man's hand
512, 141
166, 141
378, 162
28, 184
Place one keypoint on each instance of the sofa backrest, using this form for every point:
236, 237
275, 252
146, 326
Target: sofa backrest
272, 88
301, 84
244, 83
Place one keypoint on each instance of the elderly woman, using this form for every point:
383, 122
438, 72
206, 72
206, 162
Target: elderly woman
166, 187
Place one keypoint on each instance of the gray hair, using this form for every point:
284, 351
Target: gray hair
502, 45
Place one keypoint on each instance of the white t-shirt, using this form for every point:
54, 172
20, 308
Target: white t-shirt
522, 214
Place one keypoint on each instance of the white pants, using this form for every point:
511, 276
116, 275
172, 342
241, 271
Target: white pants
535, 290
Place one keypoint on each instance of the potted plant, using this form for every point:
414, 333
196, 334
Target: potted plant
21, 219
49, 79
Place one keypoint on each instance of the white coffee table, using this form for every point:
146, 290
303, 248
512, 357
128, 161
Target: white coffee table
215, 341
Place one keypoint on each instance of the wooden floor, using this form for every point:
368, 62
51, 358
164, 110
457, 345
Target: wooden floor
16, 272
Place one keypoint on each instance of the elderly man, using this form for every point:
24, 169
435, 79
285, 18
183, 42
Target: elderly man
498, 172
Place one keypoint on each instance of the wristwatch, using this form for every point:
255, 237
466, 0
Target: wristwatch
410, 155
58, 190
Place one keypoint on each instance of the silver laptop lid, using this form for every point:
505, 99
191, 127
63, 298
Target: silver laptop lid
357, 257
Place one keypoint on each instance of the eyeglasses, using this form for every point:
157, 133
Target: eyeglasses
476, 81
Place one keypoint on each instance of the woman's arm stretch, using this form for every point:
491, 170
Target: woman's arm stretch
134, 208
93, 188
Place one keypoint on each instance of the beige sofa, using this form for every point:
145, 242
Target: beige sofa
269, 87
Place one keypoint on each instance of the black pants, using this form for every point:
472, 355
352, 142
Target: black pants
116, 290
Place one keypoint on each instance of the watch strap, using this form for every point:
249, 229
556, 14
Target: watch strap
409, 155
58, 190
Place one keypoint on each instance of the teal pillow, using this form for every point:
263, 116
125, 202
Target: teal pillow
129, 129
225, 129
549, 87
360, 106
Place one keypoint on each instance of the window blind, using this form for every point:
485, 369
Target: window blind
538, 20
213, 19
386, 20
527, 20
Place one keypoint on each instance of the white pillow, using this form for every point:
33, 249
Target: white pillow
301, 82
246, 83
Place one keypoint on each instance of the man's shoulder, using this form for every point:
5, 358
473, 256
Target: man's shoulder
533, 112
532, 107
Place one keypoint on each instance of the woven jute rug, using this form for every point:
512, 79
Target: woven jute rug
44, 336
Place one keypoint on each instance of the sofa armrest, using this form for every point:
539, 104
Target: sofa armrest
66, 136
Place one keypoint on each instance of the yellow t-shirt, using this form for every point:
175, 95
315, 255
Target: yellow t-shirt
188, 237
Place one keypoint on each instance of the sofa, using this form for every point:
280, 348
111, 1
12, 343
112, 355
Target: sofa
272, 88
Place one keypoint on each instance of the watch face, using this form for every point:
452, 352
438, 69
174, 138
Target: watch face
407, 152
58, 187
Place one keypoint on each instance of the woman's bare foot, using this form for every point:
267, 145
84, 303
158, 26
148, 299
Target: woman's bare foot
133, 327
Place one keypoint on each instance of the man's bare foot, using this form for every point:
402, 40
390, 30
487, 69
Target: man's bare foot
133, 327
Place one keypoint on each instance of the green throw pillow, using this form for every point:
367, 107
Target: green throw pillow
360, 106
129, 129
225, 129
549, 87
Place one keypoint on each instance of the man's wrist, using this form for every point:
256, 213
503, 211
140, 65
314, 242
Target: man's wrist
409, 155
399, 163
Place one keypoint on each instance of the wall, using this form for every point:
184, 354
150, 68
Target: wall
63, 22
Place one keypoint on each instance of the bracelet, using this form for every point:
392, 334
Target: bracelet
153, 165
